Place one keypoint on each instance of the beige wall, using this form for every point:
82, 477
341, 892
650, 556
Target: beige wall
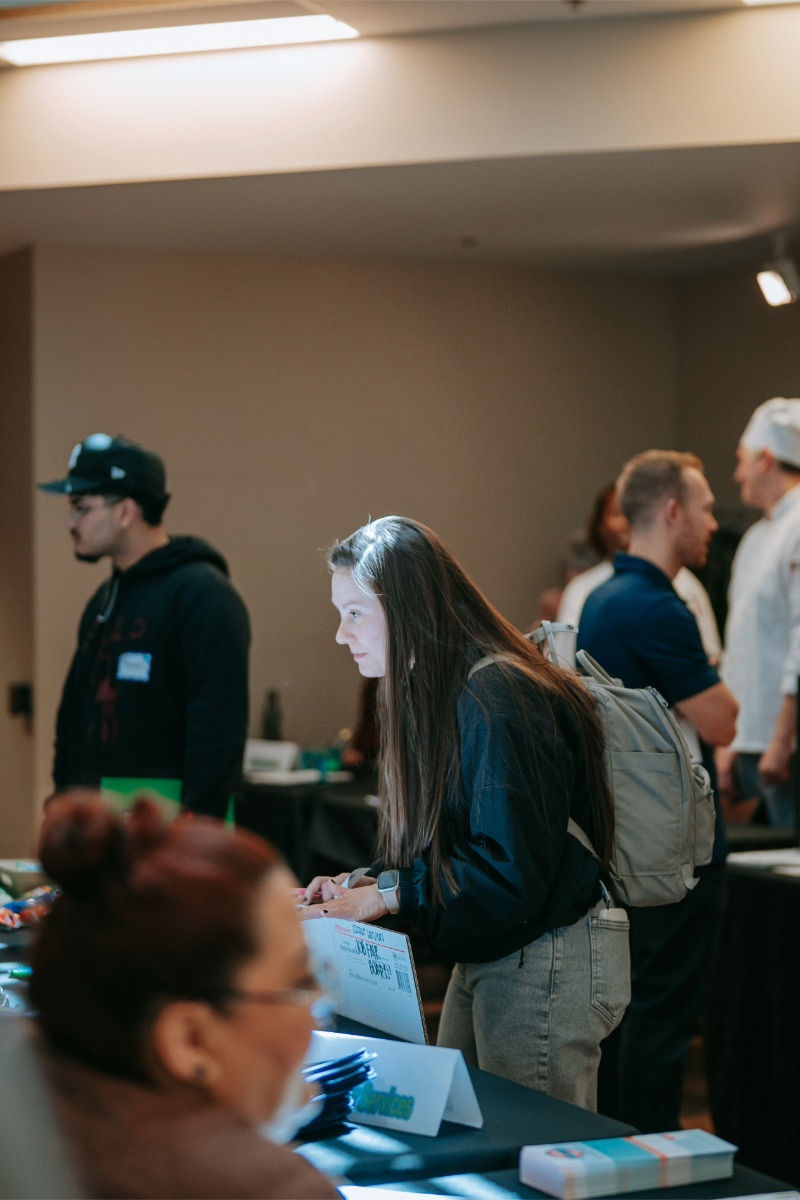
734, 352
16, 654
291, 400
689, 79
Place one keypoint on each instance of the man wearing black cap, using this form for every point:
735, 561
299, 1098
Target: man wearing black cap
157, 689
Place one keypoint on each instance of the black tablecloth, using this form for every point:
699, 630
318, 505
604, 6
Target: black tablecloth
753, 1031
514, 1117
320, 829
743, 835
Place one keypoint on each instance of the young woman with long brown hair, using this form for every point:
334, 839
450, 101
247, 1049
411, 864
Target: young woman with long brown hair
487, 750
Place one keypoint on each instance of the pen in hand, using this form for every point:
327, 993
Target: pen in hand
306, 900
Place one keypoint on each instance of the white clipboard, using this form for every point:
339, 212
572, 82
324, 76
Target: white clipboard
375, 974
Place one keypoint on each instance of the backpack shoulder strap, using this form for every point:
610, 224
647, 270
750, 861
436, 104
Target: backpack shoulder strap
546, 630
593, 669
572, 826
487, 662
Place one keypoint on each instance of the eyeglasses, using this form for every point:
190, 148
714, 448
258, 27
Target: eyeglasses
302, 997
316, 999
320, 997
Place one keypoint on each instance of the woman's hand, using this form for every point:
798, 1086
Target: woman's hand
323, 887
362, 903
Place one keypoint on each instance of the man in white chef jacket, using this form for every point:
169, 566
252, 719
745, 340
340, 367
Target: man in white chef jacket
761, 661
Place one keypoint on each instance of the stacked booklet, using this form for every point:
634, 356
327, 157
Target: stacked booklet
334, 1080
573, 1170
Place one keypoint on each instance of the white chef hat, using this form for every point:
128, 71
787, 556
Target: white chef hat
775, 426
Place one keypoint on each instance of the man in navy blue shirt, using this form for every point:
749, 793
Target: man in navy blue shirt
640, 631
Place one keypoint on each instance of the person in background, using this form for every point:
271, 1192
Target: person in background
580, 556
547, 608
158, 684
174, 995
762, 634
487, 750
607, 531
361, 751
637, 627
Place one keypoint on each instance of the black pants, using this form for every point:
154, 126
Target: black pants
673, 950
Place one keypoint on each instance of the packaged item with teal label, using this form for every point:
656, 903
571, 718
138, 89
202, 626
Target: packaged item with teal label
574, 1170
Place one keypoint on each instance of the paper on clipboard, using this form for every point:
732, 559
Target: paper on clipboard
374, 969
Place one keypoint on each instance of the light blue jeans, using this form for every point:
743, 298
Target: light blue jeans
540, 1022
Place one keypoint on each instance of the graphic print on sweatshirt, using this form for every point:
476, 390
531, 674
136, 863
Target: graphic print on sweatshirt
112, 663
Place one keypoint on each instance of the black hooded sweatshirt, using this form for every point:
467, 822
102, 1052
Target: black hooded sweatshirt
158, 684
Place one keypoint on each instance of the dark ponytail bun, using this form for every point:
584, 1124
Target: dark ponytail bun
151, 911
85, 846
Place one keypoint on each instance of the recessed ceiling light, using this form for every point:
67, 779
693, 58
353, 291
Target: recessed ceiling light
779, 281
754, 3
774, 289
177, 39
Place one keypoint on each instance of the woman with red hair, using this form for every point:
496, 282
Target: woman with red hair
172, 985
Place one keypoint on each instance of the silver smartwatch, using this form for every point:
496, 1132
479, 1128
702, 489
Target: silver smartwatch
388, 883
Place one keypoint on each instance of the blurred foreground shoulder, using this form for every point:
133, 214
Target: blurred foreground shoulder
132, 1139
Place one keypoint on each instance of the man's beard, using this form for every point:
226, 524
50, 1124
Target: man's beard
90, 558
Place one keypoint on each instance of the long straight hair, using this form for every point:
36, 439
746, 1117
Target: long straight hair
438, 626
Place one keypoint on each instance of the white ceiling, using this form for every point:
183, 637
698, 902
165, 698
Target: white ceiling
372, 18
671, 212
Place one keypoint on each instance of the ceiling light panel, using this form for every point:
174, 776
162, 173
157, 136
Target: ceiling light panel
175, 39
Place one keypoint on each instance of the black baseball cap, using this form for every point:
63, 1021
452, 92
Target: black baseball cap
103, 464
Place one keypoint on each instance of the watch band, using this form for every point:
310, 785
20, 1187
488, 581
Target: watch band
388, 882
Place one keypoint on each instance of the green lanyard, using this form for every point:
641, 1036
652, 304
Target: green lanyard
121, 793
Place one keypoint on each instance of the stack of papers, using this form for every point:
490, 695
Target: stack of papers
573, 1170
306, 775
302, 775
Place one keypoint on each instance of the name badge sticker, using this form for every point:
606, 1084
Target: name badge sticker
134, 666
